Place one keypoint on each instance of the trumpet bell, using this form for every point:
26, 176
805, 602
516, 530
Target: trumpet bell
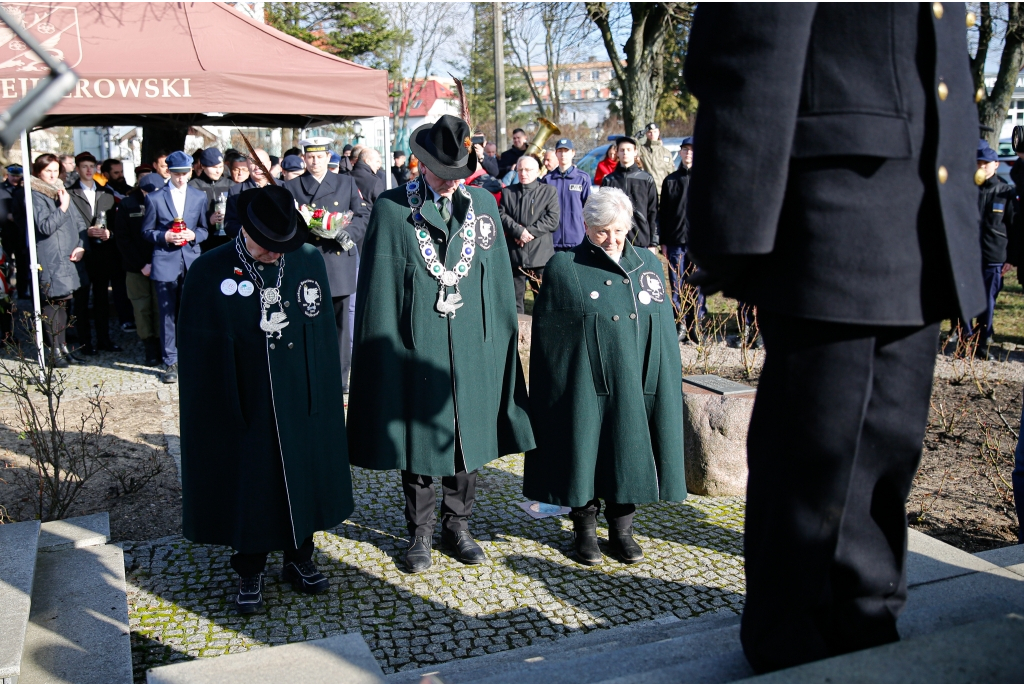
545, 129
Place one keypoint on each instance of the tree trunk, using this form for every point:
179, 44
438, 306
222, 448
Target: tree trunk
993, 105
162, 137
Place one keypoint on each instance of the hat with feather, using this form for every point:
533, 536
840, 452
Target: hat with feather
446, 146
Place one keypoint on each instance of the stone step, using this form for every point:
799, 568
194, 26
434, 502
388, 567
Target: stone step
983, 652
18, 546
341, 658
543, 662
79, 623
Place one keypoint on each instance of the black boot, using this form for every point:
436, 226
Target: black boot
70, 356
250, 594
152, 348
584, 533
623, 546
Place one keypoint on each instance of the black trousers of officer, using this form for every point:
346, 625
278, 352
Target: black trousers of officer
519, 281
343, 322
247, 565
619, 516
834, 443
458, 493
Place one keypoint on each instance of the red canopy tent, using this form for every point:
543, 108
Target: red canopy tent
186, 63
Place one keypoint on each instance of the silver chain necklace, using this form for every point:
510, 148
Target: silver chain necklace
446, 303
276, 321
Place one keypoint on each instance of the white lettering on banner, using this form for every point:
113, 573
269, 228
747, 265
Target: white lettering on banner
24, 85
96, 87
82, 86
9, 88
185, 81
132, 85
169, 87
151, 85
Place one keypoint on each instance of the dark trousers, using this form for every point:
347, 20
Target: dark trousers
834, 442
247, 565
1018, 482
343, 322
119, 289
992, 275
686, 306
168, 295
55, 322
519, 280
23, 273
619, 516
103, 273
458, 493
80, 327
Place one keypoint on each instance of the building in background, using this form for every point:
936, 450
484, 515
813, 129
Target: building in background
431, 98
586, 88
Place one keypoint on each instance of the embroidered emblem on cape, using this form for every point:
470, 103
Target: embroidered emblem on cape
651, 285
228, 286
485, 231
309, 296
245, 288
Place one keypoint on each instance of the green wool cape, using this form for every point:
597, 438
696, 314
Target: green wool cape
420, 382
264, 457
605, 382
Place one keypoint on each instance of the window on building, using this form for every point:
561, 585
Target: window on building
595, 76
579, 75
1020, 117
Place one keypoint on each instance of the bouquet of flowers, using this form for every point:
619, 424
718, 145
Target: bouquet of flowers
329, 225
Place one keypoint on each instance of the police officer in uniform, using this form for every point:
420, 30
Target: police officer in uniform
320, 189
212, 181
437, 385
269, 467
846, 212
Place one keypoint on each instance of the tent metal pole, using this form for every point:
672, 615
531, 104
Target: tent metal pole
388, 157
33, 262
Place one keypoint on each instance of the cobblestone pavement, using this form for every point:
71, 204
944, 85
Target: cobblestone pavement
181, 594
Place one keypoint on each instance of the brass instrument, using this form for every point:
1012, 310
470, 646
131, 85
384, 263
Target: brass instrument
536, 147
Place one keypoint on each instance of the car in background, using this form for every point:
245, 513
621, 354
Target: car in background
588, 162
1007, 158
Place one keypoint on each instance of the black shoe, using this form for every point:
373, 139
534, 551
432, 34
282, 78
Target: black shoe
465, 547
71, 356
108, 346
305, 577
584, 544
417, 557
250, 594
623, 546
171, 374
152, 348
128, 327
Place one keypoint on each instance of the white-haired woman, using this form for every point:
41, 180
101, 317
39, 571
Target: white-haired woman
605, 392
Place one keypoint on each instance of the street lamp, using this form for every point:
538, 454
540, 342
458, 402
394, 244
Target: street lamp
357, 128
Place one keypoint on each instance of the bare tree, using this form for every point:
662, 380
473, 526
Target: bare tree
1003, 23
424, 29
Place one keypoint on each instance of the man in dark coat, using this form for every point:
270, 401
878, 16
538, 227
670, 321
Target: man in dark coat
673, 230
320, 189
507, 160
437, 385
97, 206
605, 401
269, 467
364, 173
174, 248
212, 181
835, 192
137, 260
529, 214
640, 188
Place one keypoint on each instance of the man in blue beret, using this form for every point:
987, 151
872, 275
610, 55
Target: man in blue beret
176, 247
212, 181
291, 167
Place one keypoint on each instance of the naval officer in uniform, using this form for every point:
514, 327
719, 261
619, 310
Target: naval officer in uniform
320, 189
605, 401
835, 192
437, 385
264, 461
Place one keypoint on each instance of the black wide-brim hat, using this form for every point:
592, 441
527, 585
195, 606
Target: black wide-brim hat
444, 147
271, 220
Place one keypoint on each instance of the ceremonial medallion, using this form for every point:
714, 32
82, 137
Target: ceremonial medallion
246, 288
309, 296
271, 295
651, 284
486, 231
228, 286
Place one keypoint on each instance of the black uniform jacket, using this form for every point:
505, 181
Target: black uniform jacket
336, 193
532, 207
370, 184
672, 225
264, 457
836, 142
996, 203
639, 186
136, 251
100, 251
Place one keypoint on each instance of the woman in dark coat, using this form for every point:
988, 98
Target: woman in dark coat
59, 245
605, 394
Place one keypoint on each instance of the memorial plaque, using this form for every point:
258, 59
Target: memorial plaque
719, 385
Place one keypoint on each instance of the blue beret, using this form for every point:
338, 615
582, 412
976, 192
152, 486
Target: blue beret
335, 159
688, 140
291, 163
564, 143
178, 161
987, 154
151, 182
211, 156
15, 169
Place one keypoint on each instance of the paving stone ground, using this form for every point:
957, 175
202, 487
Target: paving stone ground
181, 594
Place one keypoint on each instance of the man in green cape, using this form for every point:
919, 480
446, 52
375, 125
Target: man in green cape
437, 387
264, 462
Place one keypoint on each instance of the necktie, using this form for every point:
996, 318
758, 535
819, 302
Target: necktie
442, 207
